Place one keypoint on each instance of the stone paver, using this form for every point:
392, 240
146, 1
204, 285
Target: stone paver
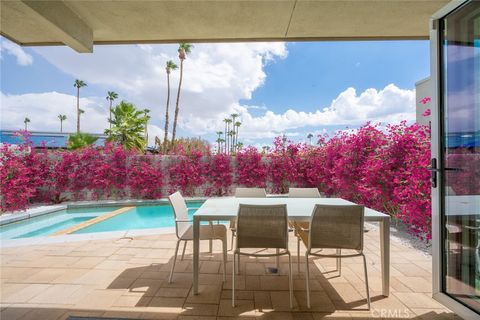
129, 279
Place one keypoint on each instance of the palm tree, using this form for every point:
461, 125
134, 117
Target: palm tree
222, 144
183, 50
111, 95
310, 136
169, 67
234, 116
80, 140
147, 117
231, 134
219, 143
219, 139
235, 128
62, 118
227, 130
78, 84
128, 126
26, 121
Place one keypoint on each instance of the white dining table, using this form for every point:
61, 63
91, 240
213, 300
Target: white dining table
298, 209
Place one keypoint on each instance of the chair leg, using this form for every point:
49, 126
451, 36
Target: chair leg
290, 279
238, 264
183, 251
231, 241
233, 278
366, 280
224, 258
307, 278
298, 255
174, 261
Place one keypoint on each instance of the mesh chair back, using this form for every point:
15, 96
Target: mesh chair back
262, 226
303, 193
250, 193
181, 213
334, 226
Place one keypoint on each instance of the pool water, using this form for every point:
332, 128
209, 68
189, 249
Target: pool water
50, 223
140, 217
55, 227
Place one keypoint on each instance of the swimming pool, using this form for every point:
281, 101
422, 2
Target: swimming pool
139, 217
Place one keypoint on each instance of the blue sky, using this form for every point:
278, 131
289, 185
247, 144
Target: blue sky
315, 72
292, 88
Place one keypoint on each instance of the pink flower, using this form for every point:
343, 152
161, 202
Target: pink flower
426, 113
425, 100
385, 170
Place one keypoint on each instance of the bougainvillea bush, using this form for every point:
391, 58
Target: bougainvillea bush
382, 168
251, 170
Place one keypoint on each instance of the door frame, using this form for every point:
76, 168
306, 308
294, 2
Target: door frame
436, 153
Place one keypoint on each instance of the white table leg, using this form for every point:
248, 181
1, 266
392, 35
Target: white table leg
339, 262
277, 261
196, 252
385, 254
210, 242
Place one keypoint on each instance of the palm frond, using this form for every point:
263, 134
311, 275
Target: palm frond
80, 140
79, 83
128, 126
171, 65
187, 47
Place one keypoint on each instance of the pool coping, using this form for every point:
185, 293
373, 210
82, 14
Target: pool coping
67, 238
16, 216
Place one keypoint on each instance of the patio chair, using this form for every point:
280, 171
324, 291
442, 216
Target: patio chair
250, 193
303, 193
300, 225
335, 227
262, 226
184, 230
245, 193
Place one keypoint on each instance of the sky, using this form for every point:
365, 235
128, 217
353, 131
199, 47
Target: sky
293, 88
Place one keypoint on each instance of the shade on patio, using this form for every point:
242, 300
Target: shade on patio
129, 279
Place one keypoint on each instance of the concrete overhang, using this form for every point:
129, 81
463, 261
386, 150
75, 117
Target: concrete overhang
80, 24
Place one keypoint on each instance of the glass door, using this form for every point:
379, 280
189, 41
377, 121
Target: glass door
459, 133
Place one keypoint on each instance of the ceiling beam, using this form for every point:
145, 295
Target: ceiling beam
57, 16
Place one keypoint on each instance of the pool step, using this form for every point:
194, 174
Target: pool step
92, 221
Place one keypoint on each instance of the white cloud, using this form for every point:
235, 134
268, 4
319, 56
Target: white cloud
349, 109
388, 105
43, 110
23, 58
216, 76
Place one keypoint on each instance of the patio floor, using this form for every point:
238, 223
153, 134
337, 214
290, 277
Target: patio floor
123, 278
